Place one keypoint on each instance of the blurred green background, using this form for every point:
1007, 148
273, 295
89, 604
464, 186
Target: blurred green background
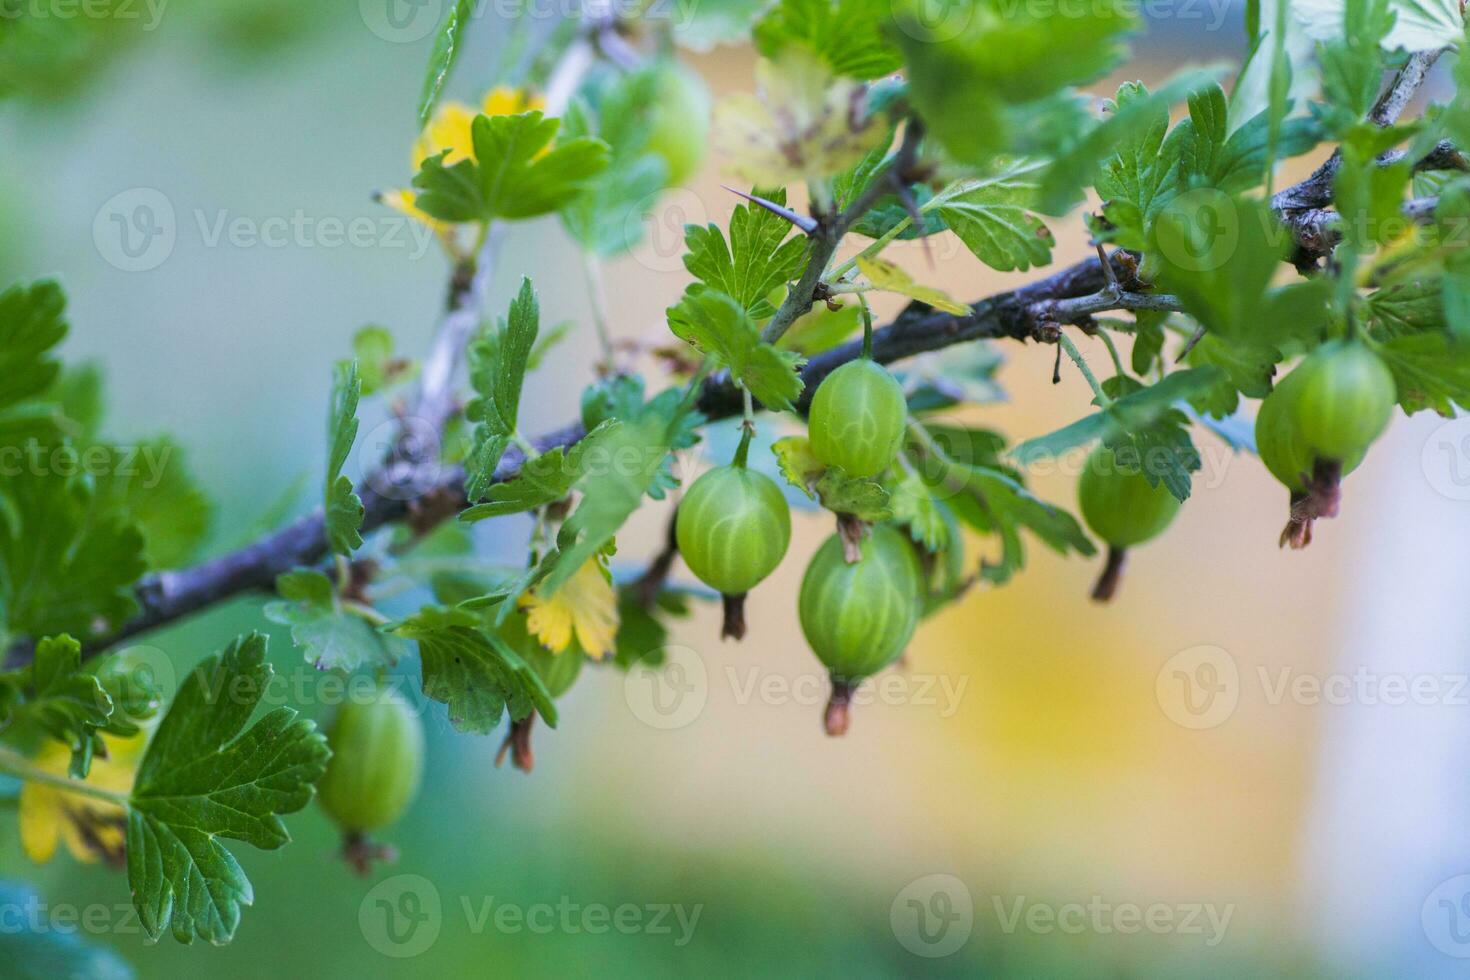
1054, 781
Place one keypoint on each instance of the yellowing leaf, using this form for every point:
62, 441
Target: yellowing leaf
889, 278
585, 607
803, 123
449, 129
91, 828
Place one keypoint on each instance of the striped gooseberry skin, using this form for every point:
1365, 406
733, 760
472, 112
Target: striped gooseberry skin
733, 528
859, 617
1120, 506
1279, 439
377, 758
1345, 400
857, 418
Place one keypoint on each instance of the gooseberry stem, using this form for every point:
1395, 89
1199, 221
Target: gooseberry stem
747, 430
597, 297
867, 328
1066, 344
14, 764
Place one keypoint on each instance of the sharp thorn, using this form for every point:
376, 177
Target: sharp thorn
806, 224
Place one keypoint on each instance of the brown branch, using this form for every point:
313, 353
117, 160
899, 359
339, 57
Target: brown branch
830, 228
1316, 190
167, 597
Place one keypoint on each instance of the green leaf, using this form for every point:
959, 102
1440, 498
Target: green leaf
380, 369
472, 671
543, 480
206, 777
1430, 370
717, 325
1406, 308
968, 60
1212, 156
860, 497
1145, 419
446, 52
1247, 370
67, 565
332, 637
1219, 255
1077, 165
1143, 173
990, 215
914, 507
633, 456
1162, 451
993, 502
758, 258
1352, 64
513, 175
32, 323
65, 702
498, 372
342, 506
847, 34
151, 486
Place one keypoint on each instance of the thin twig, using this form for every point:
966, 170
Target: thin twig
830, 229
170, 596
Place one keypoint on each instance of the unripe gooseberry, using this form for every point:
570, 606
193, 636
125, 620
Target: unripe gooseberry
1345, 400
859, 616
1312, 478
857, 418
733, 528
679, 130
377, 760
1122, 509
